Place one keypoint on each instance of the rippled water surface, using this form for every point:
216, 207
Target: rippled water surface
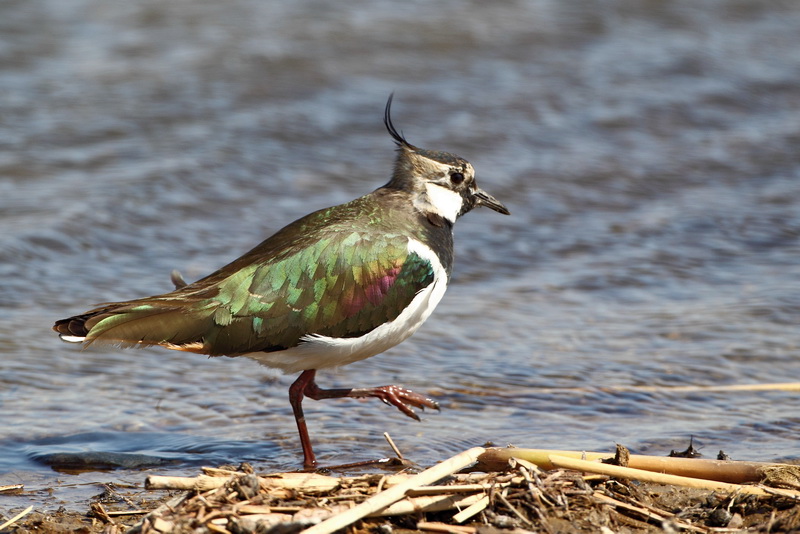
648, 152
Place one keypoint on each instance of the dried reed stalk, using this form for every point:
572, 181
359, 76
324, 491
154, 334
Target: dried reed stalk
429, 503
308, 482
722, 388
736, 472
395, 493
444, 527
656, 478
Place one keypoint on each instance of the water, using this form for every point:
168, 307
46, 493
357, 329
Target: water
647, 151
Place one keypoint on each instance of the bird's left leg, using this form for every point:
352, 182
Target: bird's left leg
404, 399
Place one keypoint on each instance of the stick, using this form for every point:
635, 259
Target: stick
456, 488
217, 472
395, 493
390, 441
496, 459
154, 515
649, 514
17, 517
781, 386
114, 513
199, 483
308, 482
648, 476
444, 527
430, 503
100, 512
778, 386
476, 508
513, 508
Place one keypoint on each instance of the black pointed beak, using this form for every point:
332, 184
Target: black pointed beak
482, 198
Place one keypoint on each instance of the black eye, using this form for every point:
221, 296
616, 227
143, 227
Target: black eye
457, 178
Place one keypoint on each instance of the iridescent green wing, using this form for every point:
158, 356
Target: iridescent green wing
339, 287
338, 272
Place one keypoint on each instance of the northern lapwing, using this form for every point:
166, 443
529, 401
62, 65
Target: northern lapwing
332, 288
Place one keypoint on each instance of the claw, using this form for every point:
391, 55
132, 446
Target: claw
402, 398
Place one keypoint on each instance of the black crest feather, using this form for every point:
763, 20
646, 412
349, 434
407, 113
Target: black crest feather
387, 120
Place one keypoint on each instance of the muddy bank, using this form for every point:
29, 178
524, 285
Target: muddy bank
444, 498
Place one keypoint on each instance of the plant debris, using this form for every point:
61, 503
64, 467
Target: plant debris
519, 497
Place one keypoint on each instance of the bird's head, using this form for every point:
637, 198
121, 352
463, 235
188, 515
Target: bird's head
442, 183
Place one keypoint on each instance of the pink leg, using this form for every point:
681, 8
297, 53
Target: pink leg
305, 386
296, 394
404, 399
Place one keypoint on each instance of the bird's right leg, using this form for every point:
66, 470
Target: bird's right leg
296, 393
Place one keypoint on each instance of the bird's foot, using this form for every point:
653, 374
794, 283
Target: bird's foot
404, 399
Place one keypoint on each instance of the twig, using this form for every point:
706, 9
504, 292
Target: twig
216, 528
513, 509
110, 489
100, 512
242, 508
169, 506
647, 476
17, 517
738, 472
472, 510
308, 482
444, 527
11, 487
648, 514
217, 472
115, 513
198, 483
529, 472
458, 488
430, 503
782, 492
395, 493
388, 438
778, 386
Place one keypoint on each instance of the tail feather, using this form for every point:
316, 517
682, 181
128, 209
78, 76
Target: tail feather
165, 323
74, 328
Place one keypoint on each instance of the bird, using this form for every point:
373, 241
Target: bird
337, 286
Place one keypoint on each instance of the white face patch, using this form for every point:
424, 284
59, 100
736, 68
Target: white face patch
445, 202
